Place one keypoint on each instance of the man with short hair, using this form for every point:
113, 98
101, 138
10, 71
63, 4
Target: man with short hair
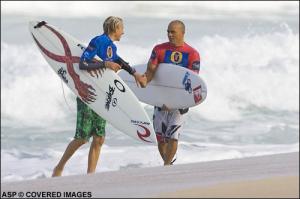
168, 123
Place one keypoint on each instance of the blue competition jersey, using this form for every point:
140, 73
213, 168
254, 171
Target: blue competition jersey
102, 46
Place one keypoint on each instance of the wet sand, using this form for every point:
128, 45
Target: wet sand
262, 176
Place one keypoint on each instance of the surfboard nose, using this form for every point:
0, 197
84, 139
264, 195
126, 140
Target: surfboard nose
35, 24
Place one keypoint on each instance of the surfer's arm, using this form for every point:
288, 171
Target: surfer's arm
194, 62
149, 74
124, 65
151, 69
85, 65
151, 66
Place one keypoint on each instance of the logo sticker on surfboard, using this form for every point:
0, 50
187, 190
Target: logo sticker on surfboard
109, 94
187, 83
143, 132
62, 73
197, 94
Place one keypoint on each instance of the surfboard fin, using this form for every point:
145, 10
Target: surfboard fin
40, 24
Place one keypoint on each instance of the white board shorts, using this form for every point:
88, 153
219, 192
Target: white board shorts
167, 124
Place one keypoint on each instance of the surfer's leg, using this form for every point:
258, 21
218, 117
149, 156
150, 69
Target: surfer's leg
175, 122
94, 153
72, 147
98, 132
162, 146
170, 151
160, 127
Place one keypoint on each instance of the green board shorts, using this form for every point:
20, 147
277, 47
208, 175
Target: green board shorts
88, 122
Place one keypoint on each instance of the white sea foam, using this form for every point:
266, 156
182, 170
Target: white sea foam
33, 166
22, 84
258, 70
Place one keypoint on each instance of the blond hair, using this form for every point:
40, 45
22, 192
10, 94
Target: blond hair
111, 24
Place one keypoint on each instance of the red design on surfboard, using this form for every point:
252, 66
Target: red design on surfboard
145, 135
85, 90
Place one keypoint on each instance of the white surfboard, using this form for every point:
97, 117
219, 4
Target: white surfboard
172, 85
107, 95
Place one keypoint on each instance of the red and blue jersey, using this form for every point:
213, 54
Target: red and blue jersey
184, 56
102, 46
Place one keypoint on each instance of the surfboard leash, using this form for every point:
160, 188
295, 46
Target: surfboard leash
174, 159
62, 86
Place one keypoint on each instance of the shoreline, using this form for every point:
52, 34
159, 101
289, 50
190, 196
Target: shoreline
260, 176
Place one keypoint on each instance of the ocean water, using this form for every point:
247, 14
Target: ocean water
249, 60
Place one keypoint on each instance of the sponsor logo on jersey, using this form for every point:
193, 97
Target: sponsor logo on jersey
176, 57
109, 52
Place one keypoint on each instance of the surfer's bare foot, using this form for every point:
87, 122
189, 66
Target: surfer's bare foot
57, 172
